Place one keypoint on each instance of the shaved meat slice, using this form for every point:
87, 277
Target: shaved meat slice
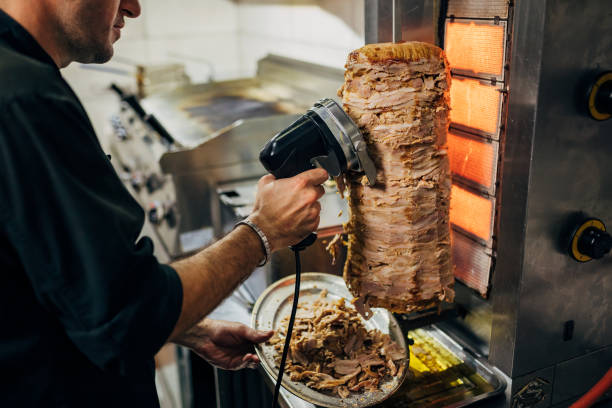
348, 347
369, 384
392, 351
369, 360
333, 247
331, 349
344, 366
398, 254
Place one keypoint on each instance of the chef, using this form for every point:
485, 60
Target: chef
84, 304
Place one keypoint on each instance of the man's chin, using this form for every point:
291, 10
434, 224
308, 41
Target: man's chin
99, 57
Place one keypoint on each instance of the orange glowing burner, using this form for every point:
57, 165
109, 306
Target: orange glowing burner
475, 105
476, 48
471, 213
473, 159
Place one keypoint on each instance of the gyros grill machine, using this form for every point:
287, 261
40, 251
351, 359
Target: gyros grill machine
530, 143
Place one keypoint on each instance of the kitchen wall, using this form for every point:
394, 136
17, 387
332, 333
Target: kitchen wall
318, 31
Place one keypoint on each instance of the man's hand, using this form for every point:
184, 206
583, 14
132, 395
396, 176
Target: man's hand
227, 345
287, 210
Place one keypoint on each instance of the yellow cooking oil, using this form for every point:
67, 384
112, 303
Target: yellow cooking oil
437, 377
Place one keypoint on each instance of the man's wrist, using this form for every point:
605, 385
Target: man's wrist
263, 239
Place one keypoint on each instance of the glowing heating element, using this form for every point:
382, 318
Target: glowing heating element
476, 47
472, 262
472, 213
475, 105
472, 159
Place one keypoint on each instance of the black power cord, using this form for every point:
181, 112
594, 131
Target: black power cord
281, 368
298, 270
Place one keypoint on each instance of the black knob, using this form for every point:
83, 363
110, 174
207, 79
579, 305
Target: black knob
156, 214
603, 98
600, 97
171, 216
594, 243
153, 183
589, 240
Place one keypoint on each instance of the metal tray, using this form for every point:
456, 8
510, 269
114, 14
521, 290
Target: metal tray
275, 303
465, 376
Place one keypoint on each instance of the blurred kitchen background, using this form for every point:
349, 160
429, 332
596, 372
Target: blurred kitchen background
217, 40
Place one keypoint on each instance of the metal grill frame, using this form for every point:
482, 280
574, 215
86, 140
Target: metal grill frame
478, 8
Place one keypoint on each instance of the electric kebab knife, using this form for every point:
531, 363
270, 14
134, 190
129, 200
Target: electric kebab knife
324, 137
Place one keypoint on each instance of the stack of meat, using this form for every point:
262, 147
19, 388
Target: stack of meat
398, 231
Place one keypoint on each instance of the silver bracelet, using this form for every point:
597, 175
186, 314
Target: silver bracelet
264, 240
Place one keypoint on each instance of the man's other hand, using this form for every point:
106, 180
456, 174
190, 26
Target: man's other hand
287, 210
227, 345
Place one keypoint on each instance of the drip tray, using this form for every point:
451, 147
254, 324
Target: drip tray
443, 373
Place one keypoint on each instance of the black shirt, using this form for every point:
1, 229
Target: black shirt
84, 304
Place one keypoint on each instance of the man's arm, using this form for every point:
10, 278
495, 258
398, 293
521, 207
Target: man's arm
285, 210
212, 274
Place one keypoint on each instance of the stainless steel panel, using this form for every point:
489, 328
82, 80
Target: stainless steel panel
229, 155
575, 377
417, 20
175, 109
569, 173
533, 390
475, 327
282, 86
524, 81
401, 20
478, 8
306, 81
191, 191
378, 21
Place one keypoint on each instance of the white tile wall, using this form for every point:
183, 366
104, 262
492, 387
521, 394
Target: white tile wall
323, 31
199, 33
179, 18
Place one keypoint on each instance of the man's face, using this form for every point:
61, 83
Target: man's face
91, 27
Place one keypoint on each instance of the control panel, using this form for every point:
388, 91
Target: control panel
138, 142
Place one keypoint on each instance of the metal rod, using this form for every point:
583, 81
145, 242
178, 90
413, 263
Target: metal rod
396, 33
